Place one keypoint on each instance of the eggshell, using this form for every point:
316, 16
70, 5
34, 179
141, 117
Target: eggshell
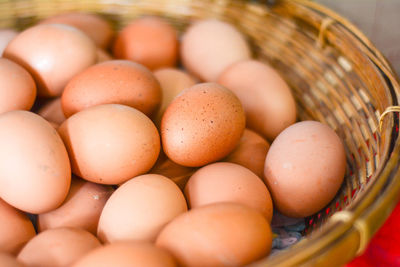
95, 27
172, 82
102, 55
113, 82
15, 229
6, 35
52, 111
228, 182
250, 152
18, 89
304, 168
220, 234
127, 254
7, 260
201, 125
35, 172
109, 144
210, 46
266, 98
53, 54
81, 208
140, 208
58, 247
150, 41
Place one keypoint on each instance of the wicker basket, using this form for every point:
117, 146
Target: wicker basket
338, 77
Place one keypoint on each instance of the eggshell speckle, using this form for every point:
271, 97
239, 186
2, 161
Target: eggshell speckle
140, 208
109, 144
201, 125
304, 168
220, 234
58, 247
35, 172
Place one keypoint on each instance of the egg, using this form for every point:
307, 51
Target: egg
57, 247
81, 208
304, 168
6, 35
172, 82
250, 152
35, 172
94, 26
127, 254
52, 111
210, 46
53, 54
113, 82
266, 98
102, 55
7, 260
202, 124
110, 144
150, 41
18, 89
15, 229
219, 234
228, 182
140, 208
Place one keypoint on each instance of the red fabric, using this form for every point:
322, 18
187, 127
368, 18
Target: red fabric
384, 249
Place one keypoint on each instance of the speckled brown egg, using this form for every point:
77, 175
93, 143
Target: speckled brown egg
81, 208
127, 254
304, 168
59, 247
35, 172
95, 27
250, 152
220, 234
228, 182
53, 54
52, 111
140, 208
6, 35
18, 89
201, 125
172, 81
15, 229
8, 260
266, 98
210, 46
150, 41
110, 144
113, 82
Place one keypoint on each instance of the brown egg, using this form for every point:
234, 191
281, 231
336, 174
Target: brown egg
210, 46
201, 125
95, 27
18, 89
112, 82
54, 55
266, 98
15, 229
35, 172
304, 168
7, 260
220, 234
52, 111
250, 152
102, 55
58, 247
81, 208
127, 254
150, 41
109, 144
140, 208
228, 182
6, 35
172, 82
